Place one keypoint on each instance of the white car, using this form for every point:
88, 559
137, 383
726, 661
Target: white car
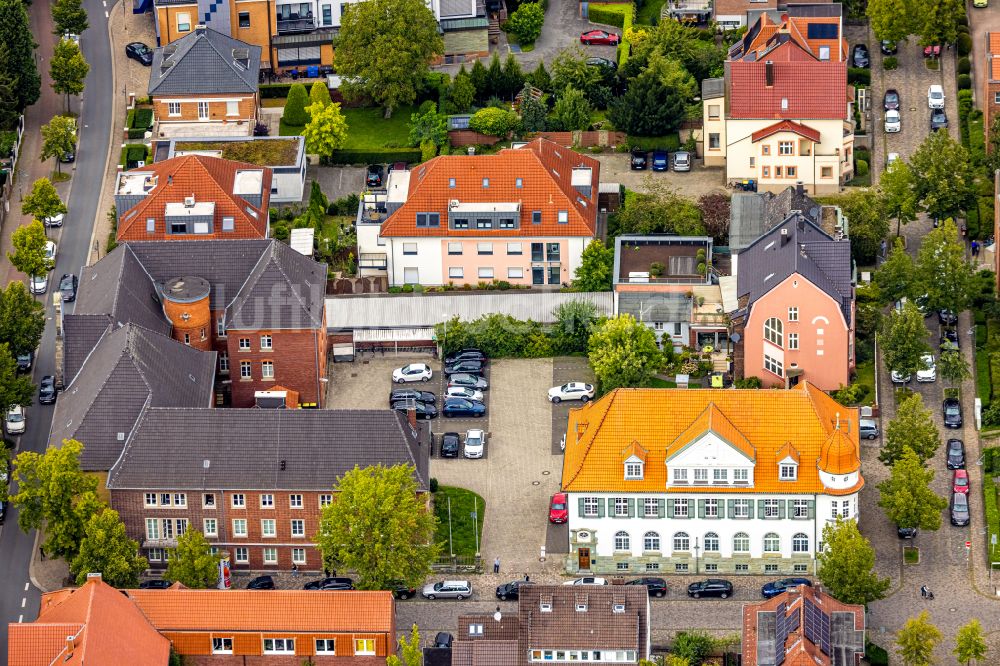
892, 157
50, 252
571, 391
929, 374
39, 284
899, 378
463, 392
892, 121
935, 97
15, 420
475, 443
54, 221
414, 372
586, 580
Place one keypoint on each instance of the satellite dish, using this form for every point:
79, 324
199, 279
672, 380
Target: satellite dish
814, 212
735, 337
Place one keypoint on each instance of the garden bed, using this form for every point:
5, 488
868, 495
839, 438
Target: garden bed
911, 555
462, 530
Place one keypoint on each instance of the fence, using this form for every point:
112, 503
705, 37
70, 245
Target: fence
582, 139
458, 564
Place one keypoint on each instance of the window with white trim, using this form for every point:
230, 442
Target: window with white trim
244, 344
265, 343
239, 501
486, 272
267, 369
720, 475
295, 501
454, 248
651, 507
773, 365
633, 470
173, 108
771, 508
270, 556
208, 500
711, 508
239, 527
590, 507
325, 500
621, 507
241, 554
327, 646
622, 541
741, 542
741, 476
220, 327
210, 526
515, 273
364, 646
786, 147
680, 508
772, 542
298, 527
222, 645
773, 330
680, 475
268, 528
701, 475
267, 501
298, 555
456, 272
651, 542
793, 314
150, 499
800, 543
741, 508
800, 508
788, 472
156, 554
793, 340
279, 646
152, 529
711, 542
682, 542
245, 372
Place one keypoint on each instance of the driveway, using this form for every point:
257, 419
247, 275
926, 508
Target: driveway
981, 21
335, 181
692, 184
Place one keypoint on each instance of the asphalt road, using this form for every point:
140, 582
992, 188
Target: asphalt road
18, 598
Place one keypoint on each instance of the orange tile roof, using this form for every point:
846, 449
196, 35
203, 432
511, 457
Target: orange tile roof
839, 454
993, 39
208, 179
182, 609
546, 171
97, 616
788, 451
995, 68
663, 421
636, 450
786, 126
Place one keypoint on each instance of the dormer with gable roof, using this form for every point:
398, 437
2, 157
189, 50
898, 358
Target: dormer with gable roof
634, 460
788, 463
711, 452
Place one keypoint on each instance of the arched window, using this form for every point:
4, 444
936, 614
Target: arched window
773, 331
711, 542
741, 543
682, 542
622, 541
772, 543
800, 543
651, 541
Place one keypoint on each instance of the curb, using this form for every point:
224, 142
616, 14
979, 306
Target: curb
31, 565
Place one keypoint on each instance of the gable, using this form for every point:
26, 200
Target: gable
710, 450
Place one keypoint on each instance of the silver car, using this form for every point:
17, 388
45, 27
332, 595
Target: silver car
447, 589
682, 161
464, 392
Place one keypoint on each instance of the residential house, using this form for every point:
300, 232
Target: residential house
253, 481
782, 114
555, 623
706, 481
803, 626
194, 196
991, 81
205, 84
522, 215
795, 316
733, 14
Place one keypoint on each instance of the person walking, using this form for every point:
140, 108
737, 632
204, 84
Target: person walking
496, 565
923, 591
975, 248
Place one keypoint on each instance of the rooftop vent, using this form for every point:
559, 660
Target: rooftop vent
769, 73
189, 201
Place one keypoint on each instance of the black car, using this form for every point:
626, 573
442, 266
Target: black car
469, 381
602, 62
511, 590
47, 390
890, 101
375, 175
158, 584
713, 587
467, 367
398, 395
331, 583
774, 588
959, 509
639, 160
261, 583
450, 444
888, 47
443, 640
906, 532
859, 57
465, 355
956, 454
949, 339
25, 360
656, 587
139, 52
938, 119
952, 410
462, 407
402, 591
947, 317
424, 410
67, 287
69, 156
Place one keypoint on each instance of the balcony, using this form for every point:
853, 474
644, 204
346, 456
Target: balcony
373, 261
291, 23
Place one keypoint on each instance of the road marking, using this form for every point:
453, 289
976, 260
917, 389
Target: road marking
26, 586
24, 601
20, 619
105, 13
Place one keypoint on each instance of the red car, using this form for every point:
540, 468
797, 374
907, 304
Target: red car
600, 37
960, 482
558, 509
933, 51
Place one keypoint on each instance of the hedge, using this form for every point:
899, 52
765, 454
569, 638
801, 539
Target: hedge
876, 656
890, 63
964, 82
143, 118
963, 44
274, 90
610, 14
858, 75
983, 386
670, 142
133, 152
992, 518
964, 66
388, 156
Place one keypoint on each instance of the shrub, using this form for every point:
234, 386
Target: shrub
609, 14
526, 22
964, 66
346, 205
860, 168
890, 63
964, 82
433, 485
853, 394
876, 656
143, 118
992, 518
295, 108
748, 383
960, 28
859, 76
131, 154
963, 44
494, 122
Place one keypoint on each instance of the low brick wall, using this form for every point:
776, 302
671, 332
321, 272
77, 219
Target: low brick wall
582, 139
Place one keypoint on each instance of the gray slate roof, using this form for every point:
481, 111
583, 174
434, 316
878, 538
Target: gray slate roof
130, 368
119, 286
80, 335
752, 214
282, 290
650, 307
169, 446
205, 62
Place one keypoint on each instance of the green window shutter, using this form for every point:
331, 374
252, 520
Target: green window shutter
600, 508
611, 507
722, 509
660, 511
749, 508
701, 508
760, 508
781, 510
580, 506
812, 509
690, 504
670, 507
631, 507
731, 508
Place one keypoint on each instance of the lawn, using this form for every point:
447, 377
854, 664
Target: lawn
649, 12
289, 130
368, 130
911, 555
463, 504
656, 382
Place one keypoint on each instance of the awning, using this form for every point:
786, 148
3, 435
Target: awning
393, 335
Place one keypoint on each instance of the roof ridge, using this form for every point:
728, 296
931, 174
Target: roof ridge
126, 448
593, 431
281, 269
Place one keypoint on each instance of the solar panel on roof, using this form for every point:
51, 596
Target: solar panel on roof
817, 627
821, 31
767, 651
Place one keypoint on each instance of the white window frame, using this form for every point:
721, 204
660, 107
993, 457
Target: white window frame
741, 476
485, 272
633, 470
515, 273
325, 499
741, 508
410, 249
183, 22
279, 646
680, 475
232, 107
246, 371
800, 542
270, 554
800, 508
770, 508
701, 475
680, 542
326, 646
152, 529
238, 500
266, 342
268, 528
651, 507
786, 148
173, 109
150, 499
793, 340
298, 527
793, 314
266, 501
788, 472
621, 507
711, 508
741, 542
222, 644
241, 555
267, 369
210, 527
244, 344
720, 475
590, 507
295, 501
772, 542
364, 646
651, 542
711, 542
623, 541
681, 508
774, 331
298, 555
774, 366
239, 528
515, 249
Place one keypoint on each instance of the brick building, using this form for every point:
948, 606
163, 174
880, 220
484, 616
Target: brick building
991, 79
253, 481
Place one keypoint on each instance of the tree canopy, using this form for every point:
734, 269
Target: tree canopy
58, 138
572, 110
326, 130
526, 22
29, 249
970, 643
17, 53
15, 388
895, 277
916, 641
898, 191
575, 321
69, 16
624, 353
912, 429
22, 320
43, 201
192, 563
906, 496
894, 20
595, 270
655, 101
658, 210
946, 276
904, 340
68, 69
869, 223
106, 549
944, 175
847, 564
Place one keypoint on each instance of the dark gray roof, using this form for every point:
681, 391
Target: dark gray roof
119, 286
828, 10
752, 214
80, 335
712, 88
650, 307
281, 290
207, 62
169, 446
806, 250
130, 368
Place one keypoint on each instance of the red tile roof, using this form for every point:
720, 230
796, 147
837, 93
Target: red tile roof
810, 88
786, 126
993, 40
546, 170
208, 179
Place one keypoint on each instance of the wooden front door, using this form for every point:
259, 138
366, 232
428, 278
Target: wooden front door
583, 559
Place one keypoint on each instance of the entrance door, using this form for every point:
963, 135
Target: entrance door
583, 559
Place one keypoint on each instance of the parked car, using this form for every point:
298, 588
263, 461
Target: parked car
402, 591
54, 221
414, 372
713, 587
959, 509
463, 392
774, 588
47, 390
571, 391
956, 454
949, 339
952, 410
932, 51
868, 429
929, 373
38, 284
558, 509
330, 583
906, 532
939, 120
450, 445
475, 443
602, 62
447, 589
466, 367
655, 587
261, 583
467, 380
960, 481
424, 411
935, 97
600, 37
156, 584
69, 156
50, 253
586, 580
899, 378
455, 407
893, 123
375, 175
947, 317
511, 590
67, 287
16, 421
25, 360
980, 4
860, 57
682, 161
465, 355
888, 47
639, 160
443, 640
139, 52
890, 101
890, 158
661, 160
397, 395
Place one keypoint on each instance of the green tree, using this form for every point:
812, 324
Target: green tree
29, 249
570, 69
904, 340
694, 646
15, 388
494, 122
898, 191
462, 92
192, 563
624, 353
43, 201
478, 78
53, 491
413, 654
869, 224
379, 527
916, 641
8, 102
326, 130
58, 138
532, 110
540, 78
17, 53
575, 321
992, 146
513, 77
946, 276
22, 319
655, 101
68, 69
938, 21
671, 660
595, 270
69, 16
428, 125
494, 77
384, 50
906, 496
295, 114
895, 277
572, 110
526, 22
953, 367
106, 548
892, 19
912, 429
944, 176
970, 643
319, 94
657, 210
847, 564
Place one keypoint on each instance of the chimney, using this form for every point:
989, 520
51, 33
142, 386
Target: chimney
784, 237
411, 416
800, 189
96, 577
769, 73
70, 645
199, 29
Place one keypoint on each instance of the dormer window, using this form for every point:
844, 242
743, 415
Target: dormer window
545, 604
451, 183
581, 607
788, 471
475, 630
680, 475
618, 608
633, 470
